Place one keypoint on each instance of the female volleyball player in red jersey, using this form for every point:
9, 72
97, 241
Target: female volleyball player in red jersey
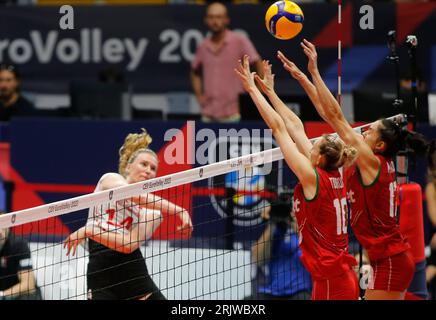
371, 188
116, 268
319, 200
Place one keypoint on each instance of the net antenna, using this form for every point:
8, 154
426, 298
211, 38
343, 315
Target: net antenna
395, 59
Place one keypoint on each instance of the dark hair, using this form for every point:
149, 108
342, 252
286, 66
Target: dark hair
10, 68
399, 138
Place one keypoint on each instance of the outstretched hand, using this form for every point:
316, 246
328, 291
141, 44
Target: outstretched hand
310, 51
186, 227
291, 67
74, 240
266, 84
244, 73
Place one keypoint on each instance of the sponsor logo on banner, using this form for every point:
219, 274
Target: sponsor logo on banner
63, 206
156, 183
90, 47
247, 181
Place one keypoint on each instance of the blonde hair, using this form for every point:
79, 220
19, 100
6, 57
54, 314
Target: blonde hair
349, 155
134, 144
336, 153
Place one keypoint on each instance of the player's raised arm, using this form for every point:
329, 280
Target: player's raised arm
304, 82
292, 122
298, 163
367, 160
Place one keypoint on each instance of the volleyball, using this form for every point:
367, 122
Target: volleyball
284, 19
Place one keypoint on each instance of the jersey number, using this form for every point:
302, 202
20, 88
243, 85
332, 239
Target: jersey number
127, 222
341, 215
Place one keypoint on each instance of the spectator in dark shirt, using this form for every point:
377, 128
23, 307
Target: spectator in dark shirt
17, 281
12, 103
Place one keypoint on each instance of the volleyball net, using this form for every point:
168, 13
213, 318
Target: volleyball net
227, 256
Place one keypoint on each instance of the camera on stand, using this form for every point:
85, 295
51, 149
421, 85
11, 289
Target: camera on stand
281, 207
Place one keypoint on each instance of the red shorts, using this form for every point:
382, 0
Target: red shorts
344, 287
393, 273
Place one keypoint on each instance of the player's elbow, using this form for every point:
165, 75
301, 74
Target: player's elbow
295, 126
134, 244
128, 249
333, 113
277, 125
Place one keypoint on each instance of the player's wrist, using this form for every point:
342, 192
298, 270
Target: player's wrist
2, 293
270, 92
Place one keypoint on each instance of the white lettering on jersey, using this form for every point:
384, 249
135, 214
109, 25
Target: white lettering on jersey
337, 183
118, 216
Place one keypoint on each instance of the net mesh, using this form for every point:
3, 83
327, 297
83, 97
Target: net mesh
241, 247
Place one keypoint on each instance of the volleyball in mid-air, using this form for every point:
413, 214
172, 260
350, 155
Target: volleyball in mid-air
284, 19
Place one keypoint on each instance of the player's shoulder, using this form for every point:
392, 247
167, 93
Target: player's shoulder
110, 175
110, 180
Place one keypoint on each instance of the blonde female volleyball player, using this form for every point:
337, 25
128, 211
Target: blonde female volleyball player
319, 201
371, 187
116, 268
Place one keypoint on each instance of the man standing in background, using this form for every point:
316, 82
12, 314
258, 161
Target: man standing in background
213, 80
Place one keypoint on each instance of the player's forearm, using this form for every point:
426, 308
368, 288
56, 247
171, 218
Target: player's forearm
286, 113
269, 115
124, 243
294, 125
312, 93
328, 105
157, 203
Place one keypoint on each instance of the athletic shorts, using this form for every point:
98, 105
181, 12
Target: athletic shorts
130, 290
394, 273
343, 287
117, 276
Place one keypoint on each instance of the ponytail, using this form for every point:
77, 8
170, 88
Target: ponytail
397, 138
134, 144
349, 155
